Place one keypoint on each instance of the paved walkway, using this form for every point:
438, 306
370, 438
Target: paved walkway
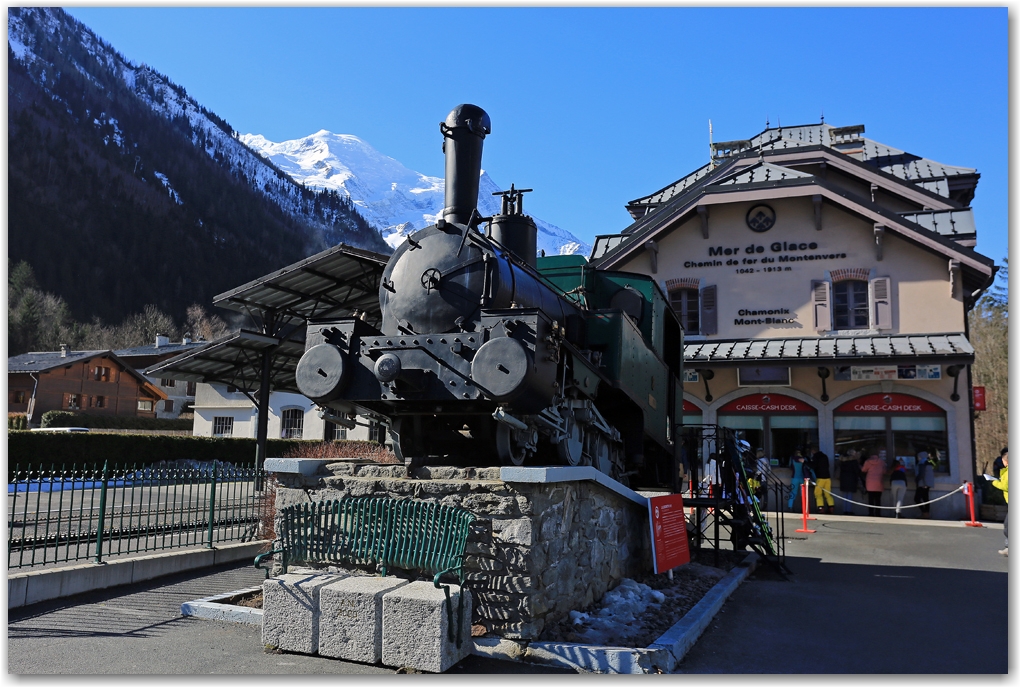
139, 630
869, 595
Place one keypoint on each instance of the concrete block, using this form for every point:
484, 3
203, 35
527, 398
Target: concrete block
290, 611
591, 659
17, 589
415, 628
297, 466
216, 608
228, 553
148, 567
350, 617
43, 585
79, 579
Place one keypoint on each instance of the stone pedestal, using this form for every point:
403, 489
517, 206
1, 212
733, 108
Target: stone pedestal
290, 611
546, 541
350, 617
415, 628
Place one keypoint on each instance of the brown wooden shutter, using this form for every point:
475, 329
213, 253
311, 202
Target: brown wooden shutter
709, 311
881, 303
821, 305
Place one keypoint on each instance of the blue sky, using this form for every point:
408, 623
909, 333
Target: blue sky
593, 107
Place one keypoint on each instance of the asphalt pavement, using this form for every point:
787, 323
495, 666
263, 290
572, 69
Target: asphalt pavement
139, 629
867, 595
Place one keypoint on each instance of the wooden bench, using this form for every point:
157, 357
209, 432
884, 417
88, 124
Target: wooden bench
392, 533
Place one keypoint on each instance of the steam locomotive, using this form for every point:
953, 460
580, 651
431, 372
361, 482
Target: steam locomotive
488, 353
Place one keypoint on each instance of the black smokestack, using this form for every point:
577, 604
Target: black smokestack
463, 132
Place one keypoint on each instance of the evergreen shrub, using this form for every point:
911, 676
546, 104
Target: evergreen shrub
65, 418
59, 450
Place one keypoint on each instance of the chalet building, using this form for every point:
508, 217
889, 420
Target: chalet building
823, 280
225, 411
180, 395
89, 382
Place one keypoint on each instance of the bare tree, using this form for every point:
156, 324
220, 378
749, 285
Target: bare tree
205, 325
989, 333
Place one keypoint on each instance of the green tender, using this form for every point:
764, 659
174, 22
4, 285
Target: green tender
399, 533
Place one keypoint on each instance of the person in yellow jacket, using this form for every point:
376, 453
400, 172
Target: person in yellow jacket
1003, 484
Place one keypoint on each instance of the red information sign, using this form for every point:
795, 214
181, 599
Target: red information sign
690, 407
767, 403
979, 398
669, 532
888, 403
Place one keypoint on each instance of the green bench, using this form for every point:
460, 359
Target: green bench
392, 533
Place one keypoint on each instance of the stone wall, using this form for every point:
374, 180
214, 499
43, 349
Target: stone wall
536, 552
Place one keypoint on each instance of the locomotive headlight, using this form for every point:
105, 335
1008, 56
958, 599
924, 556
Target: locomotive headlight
387, 367
322, 373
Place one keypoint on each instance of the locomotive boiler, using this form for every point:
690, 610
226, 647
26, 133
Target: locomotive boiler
488, 354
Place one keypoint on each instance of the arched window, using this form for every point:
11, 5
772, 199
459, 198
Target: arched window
292, 423
850, 304
686, 304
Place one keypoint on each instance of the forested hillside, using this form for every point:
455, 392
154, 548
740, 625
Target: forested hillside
117, 203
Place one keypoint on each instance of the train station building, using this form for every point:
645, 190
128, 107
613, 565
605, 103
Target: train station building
823, 280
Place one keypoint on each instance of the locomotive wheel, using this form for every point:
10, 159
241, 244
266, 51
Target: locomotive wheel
571, 447
600, 455
508, 449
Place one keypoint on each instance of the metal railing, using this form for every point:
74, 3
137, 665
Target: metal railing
94, 512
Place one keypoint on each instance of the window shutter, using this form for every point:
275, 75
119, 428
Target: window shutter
881, 303
821, 305
709, 311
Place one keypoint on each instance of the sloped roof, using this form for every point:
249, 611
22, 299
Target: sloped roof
152, 349
891, 160
920, 171
609, 250
333, 283
762, 172
41, 361
235, 359
913, 349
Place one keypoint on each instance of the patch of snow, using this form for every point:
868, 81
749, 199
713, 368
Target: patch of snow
166, 183
621, 607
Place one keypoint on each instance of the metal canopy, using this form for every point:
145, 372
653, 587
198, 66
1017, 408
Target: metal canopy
236, 360
336, 282
864, 350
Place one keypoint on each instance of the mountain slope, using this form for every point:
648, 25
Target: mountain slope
124, 191
392, 197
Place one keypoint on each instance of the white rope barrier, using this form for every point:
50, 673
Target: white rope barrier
912, 505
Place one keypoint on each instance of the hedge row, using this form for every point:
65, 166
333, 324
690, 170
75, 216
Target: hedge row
17, 421
64, 418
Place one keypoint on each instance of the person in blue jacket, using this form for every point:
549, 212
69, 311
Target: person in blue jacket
801, 471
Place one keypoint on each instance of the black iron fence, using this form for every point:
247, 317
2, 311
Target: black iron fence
94, 512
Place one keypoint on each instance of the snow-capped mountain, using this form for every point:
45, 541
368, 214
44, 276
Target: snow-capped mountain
393, 198
123, 191
33, 32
